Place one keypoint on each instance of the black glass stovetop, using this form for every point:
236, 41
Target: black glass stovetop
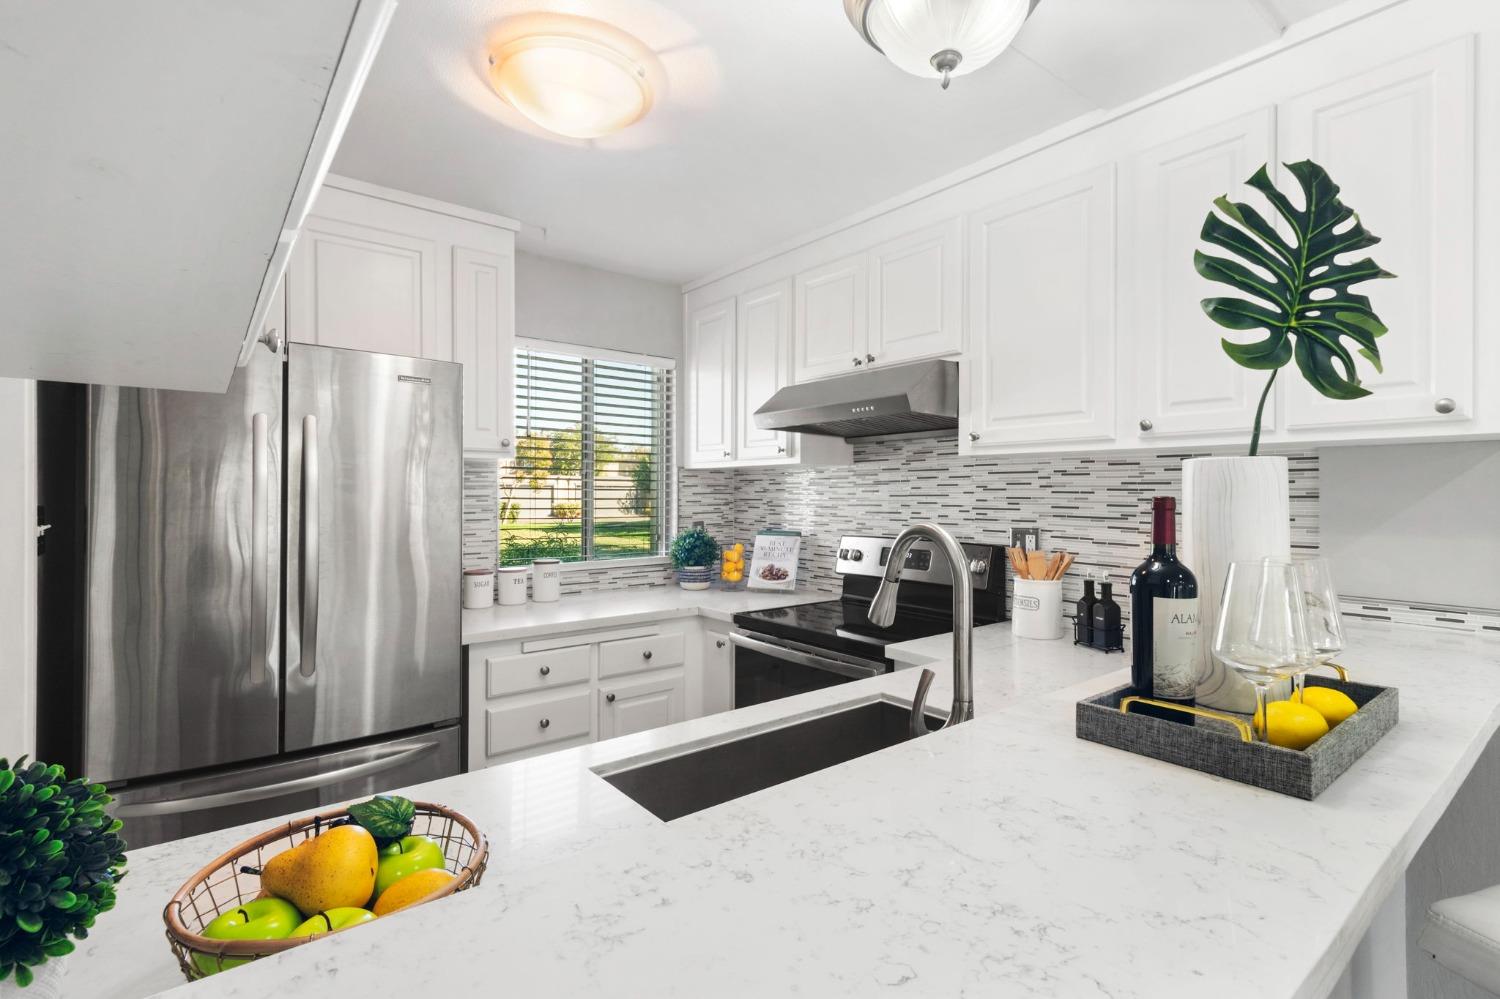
843, 625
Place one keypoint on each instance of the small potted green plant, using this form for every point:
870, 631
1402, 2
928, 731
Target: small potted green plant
60, 858
694, 553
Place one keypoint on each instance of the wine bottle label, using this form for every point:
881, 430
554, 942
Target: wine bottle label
1174, 646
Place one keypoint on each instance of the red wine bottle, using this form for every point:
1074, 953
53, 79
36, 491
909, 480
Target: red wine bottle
1164, 649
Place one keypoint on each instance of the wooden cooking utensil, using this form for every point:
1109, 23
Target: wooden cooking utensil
1036, 565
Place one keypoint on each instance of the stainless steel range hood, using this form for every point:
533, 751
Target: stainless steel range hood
902, 399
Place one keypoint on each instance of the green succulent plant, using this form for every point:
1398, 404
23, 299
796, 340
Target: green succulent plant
1299, 291
60, 858
694, 547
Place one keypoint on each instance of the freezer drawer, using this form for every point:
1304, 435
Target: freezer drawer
167, 810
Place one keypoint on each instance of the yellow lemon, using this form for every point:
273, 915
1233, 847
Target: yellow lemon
735, 577
1293, 726
1333, 705
739, 549
411, 889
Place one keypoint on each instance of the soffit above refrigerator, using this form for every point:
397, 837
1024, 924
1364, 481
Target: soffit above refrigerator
159, 159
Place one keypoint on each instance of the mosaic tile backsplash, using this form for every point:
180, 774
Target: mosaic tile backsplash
1096, 506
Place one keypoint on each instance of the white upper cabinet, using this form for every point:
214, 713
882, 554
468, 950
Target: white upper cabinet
483, 335
365, 287
1184, 382
831, 304
710, 384
1041, 364
916, 295
763, 365
1399, 142
397, 274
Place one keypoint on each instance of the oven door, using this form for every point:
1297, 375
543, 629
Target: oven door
767, 669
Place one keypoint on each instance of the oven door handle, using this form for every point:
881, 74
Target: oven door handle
776, 651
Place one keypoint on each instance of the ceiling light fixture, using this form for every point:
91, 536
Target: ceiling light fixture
573, 81
939, 39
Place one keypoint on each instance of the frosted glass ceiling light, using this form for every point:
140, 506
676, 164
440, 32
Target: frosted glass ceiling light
570, 84
939, 39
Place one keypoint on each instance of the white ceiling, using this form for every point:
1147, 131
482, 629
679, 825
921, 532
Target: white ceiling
776, 120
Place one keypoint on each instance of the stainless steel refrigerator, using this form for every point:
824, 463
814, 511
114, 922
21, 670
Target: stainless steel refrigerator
249, 602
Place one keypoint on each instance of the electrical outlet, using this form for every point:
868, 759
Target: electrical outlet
1028, 539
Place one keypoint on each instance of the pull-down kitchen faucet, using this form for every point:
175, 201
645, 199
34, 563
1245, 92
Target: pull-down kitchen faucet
883, 613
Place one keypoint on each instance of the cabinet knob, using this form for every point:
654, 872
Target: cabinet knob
545, 670
271, 340
1146, 425
781, 450
870, 358
505, 442
719, 643
1445, 405
858, 362
973, 436
545, 722
726, 454
646, 655
610, 698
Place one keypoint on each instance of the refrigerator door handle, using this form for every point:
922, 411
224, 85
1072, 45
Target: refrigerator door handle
259, 478
309, 518
240, 796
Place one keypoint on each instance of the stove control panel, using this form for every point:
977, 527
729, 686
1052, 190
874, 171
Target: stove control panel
925, 561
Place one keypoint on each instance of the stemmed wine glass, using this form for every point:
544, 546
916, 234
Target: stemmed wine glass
1325, 629
1262, 627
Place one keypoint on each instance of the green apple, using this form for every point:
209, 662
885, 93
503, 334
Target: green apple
259, 919
334, 919
407, 854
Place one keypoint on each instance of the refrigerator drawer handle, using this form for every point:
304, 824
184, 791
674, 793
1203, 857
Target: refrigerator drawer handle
260, 474
203, 802
309, 600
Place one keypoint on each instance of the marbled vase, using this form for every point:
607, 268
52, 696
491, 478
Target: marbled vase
1233, 509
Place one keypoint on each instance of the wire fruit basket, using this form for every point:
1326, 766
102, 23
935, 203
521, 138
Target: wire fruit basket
225, 883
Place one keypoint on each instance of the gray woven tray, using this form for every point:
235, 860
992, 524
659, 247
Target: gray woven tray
1215, 747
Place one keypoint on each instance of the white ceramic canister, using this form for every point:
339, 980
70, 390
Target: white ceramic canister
511, 583
1036, 608
546, 580
479, 588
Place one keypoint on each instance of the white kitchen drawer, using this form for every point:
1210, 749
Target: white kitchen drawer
535, 670
635, 654
537, 722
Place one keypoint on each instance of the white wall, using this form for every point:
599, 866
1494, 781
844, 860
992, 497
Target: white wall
570, 303
17, 567
1418, 523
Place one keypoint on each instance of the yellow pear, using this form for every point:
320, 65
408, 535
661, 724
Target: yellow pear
330, 871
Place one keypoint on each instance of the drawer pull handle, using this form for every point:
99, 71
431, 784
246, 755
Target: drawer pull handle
546, 722
610, 698
545, 670
646, 655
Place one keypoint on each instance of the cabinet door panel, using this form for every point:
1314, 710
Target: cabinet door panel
1042, 295
363, 288
640, 705
764, 365
710, 389
830, 334
1185, 383
1399, 142
916, 295
483, 342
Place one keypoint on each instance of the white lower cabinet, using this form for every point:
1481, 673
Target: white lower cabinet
640, 703
537, 695
716, 687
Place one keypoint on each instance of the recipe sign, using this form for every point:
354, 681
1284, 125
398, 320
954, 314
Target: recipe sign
773, 563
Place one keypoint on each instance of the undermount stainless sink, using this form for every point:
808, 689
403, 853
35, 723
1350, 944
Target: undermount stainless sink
690, 782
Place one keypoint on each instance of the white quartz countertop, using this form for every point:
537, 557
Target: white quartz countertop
606, 608
1003, 857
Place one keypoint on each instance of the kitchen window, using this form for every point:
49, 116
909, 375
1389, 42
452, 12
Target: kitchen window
591, 480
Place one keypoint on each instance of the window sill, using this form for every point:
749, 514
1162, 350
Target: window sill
643, 561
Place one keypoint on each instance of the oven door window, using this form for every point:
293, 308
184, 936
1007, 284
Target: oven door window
759, 678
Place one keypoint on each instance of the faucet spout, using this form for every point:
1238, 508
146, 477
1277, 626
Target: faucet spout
883, 613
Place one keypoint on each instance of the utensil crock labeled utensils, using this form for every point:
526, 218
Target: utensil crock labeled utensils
1036, 608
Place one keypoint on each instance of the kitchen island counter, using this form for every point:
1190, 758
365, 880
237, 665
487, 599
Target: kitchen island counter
1001, 857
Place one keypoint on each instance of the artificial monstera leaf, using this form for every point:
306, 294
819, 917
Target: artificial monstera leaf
1299, 293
